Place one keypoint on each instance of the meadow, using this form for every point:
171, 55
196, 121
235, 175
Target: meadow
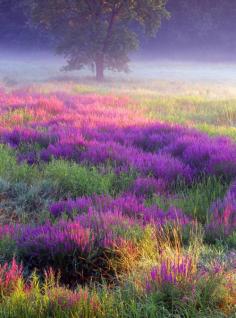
118, 199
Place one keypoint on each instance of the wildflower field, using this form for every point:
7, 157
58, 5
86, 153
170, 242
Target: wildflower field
116, 203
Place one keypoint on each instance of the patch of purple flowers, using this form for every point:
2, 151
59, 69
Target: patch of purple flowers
62, 238
223, 215
170, 271
146, 186
19, 136
127, 205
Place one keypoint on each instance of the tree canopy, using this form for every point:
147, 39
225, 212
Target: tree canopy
202, 27
97, 33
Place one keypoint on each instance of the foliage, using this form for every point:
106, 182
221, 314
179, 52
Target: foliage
98, 34
108, 213
72, 180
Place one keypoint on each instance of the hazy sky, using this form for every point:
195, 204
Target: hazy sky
197, 29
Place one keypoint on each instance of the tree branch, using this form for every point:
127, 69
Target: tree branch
114, 13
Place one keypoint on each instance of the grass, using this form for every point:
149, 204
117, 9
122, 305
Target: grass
27, 190
208, 106
128, 299
195, 200
215, 117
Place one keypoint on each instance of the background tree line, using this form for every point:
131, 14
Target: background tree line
192, 23
101, 34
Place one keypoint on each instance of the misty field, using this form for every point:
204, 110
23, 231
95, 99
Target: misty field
117, 199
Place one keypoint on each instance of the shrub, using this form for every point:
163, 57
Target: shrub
23, 202
127, 205
174, 272
198, 198
70, 179
7, 249
48, 299
222, 222
70, 249
13, 172
65, 247
10, 277
179, 286
146, 187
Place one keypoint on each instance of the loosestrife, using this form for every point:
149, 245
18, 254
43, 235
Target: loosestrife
63, 298
101, 129
62, 238
127, 205
147, 186
10, 275
79, 250
223, 215
149, 158
177, 271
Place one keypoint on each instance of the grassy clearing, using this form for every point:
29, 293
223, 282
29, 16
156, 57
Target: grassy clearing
125, 267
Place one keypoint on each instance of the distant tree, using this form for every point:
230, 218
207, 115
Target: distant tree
200, 24
97, 33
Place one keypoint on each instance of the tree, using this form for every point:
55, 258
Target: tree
206, 26
97, 33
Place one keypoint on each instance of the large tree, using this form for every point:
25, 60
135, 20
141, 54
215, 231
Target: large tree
97, 33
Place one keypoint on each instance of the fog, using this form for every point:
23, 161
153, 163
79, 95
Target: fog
18, 68
197, 45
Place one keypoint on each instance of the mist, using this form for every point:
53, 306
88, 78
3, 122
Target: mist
196, 43
117, 158
21, 68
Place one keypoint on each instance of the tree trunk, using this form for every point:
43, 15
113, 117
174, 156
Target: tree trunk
100, 68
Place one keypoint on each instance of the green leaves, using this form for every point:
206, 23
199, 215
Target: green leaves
97, 33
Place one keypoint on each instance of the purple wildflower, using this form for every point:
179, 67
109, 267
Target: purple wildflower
223, 215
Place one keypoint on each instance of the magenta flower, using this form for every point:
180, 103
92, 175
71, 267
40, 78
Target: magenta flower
173, 272
223, 215
10, 274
